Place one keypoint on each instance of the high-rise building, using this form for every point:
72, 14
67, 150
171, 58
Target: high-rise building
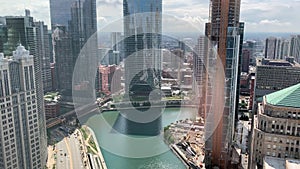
271, 76
142, 54
60, 12
21, 145
276, 129
22, 30
142, 43
276, 48
270, 47
294, 48
245, 60
224, 32
200, 56
63, 59
75, 21
43, 51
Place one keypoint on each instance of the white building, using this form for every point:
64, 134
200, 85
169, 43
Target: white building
20, 145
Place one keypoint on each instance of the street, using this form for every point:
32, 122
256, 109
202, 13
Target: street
68, 152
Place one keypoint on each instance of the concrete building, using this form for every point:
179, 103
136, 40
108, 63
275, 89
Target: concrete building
52, 106
276, 127
276, 48
280, 163
245, 60
44, 52
22, 139
271, 47
274, 75
23, 30
294, 47
109, 79
224, 32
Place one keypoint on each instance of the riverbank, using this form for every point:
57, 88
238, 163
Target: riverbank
180, 155
186, 139
99, 153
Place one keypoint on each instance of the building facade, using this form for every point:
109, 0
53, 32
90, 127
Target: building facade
109, 79
294, 47
76, 22
21, 136
276, 127
271, 76
142, 63
224, 32
22, 30
142, 43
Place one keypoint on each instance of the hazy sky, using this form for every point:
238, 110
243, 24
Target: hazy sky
259, 15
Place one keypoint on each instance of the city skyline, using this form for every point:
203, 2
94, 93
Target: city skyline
259, 16
130, 84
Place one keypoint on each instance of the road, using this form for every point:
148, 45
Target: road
68, 153
63, 160
74, 145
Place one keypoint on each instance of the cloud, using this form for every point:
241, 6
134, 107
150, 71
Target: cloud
110, 2
274, 22
274, 14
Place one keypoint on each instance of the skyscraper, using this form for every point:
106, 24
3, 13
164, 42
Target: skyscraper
21, 145
142, 44
74, 21
142, 31
223, 31
22, 30
294, 48
43, 51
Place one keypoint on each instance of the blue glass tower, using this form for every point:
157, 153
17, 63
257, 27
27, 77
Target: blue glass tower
142, 50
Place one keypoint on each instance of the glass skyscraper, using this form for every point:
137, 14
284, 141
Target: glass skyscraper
142, 54
73, 24
223, 31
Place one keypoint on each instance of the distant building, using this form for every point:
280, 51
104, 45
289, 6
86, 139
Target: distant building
43, 51
276, 127
294, 47
274, 75
22, 140
245, 60
271, 48
255, 48
109, 79
276, 48
52, 106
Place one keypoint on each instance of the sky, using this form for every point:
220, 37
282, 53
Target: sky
258, 15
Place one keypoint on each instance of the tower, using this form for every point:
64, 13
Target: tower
142, 49
75, 21
223, 31
21, 144
22, 30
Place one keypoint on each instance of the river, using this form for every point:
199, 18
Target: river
136, 152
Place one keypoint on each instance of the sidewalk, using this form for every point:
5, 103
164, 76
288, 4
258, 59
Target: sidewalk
51, 161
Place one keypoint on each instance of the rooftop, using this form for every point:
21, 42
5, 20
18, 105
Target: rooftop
288, 97
288, 62
280, 163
